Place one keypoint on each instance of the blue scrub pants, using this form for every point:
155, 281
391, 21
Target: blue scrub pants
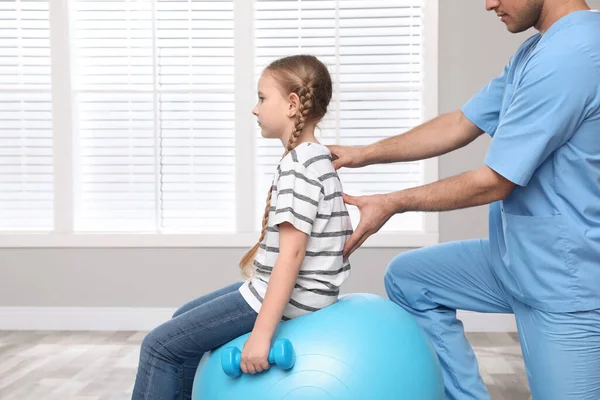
561, 350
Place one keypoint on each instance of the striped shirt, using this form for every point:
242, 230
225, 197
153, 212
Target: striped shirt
307, 193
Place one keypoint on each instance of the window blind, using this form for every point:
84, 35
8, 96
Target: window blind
26, 162
155, 116
373, 52
154, 106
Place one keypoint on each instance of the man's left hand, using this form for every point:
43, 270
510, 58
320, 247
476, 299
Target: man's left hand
375, 211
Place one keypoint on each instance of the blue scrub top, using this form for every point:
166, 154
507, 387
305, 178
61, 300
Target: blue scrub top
543, 113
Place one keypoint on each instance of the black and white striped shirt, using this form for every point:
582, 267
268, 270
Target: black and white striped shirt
307, 193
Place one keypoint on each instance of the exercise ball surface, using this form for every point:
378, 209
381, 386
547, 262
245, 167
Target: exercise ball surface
364, 347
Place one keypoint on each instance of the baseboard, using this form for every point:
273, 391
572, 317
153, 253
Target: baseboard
83, 318
144, 319
479, 322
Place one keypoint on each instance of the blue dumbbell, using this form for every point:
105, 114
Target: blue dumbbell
281, 354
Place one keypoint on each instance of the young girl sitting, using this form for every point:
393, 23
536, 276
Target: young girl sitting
295, 268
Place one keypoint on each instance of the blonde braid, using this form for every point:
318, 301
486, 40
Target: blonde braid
303, 111
304, 108
248, 258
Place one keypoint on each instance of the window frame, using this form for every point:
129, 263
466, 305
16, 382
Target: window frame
64, 150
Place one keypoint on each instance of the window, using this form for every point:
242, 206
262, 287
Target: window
26, 175
153, 142
154, 94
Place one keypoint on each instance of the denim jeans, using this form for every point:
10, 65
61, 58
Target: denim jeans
171, 352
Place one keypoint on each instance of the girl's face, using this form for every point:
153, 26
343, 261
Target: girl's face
275, 112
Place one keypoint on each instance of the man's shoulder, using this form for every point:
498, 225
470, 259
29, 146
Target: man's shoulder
574, 45
564, 61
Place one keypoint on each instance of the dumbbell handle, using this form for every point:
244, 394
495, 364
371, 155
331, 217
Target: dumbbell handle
281, 354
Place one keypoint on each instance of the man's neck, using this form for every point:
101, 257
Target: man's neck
555, 10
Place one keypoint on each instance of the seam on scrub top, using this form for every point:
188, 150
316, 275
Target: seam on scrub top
564, 240
527, 57
569, 262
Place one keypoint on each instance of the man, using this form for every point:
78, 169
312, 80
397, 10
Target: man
542, 180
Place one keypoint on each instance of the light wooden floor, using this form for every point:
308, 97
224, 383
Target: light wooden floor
102, 365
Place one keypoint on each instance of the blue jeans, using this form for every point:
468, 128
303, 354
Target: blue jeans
171, 352
561, 350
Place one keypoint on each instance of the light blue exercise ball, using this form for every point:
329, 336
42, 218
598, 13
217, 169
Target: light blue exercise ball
363, 347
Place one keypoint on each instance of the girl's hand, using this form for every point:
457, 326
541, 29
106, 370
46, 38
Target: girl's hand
255, 355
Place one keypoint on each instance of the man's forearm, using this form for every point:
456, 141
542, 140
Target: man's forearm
439, 136
473, 188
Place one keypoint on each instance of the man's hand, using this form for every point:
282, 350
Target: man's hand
347, 156
375, 211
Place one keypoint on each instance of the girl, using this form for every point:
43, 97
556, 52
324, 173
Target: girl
295, 268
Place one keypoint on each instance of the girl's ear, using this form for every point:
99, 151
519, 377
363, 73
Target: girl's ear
293, 104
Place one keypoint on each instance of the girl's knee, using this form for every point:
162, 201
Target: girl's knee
153, 343
186, 307
179, 311
150, 343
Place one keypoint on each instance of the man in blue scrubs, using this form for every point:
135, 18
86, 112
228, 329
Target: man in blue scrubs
542, 180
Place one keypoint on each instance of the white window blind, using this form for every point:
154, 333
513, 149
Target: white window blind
144, 124
26, 169
155, 116
373, 50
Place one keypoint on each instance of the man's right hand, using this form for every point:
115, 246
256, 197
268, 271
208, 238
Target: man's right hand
347, 156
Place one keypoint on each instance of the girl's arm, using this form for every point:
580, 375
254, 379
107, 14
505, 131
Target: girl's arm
292, 248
